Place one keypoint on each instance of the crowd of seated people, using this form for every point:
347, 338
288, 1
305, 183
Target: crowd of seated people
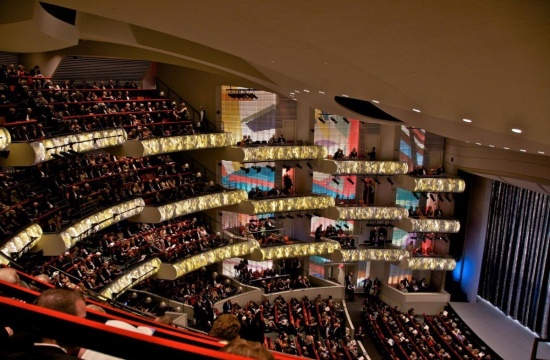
404, 335
422, 171
412, 285
427, 212
273, 140
285, 269
257, 193
336, 233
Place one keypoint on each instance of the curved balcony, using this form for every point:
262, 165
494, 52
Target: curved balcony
428, 225
353, 255
365, 213
180, 268
293, 203
428, 263
359, 167
323, 248
131, 278
152, 214
5, 138
434, 184
274, 153
21, 242
140, 148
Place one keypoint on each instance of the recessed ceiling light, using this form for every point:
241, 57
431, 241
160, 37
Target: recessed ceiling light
506, 148
478, 143
517, 131
416, 110
491, 145
467, 120
296, 91
344, 95
321, 92
541, 152
522, 150
272, 61
375, 101
306, 90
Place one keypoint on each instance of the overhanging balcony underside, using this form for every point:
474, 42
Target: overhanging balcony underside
152, 214
428, 263
190, 264
428, 225
365, 213
170, 144
358, 167
431, 184
274, 153
295, 203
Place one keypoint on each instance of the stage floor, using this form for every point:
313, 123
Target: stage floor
505, 336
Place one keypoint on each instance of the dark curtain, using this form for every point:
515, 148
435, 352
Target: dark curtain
515, 271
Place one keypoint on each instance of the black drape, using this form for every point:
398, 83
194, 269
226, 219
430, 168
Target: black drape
515, 271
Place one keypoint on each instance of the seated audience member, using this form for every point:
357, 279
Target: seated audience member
226, 327
272, 139
339, 154
372, 154
249, 349
353, 154
281, 139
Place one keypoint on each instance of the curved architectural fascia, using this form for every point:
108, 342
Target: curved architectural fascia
36, 29
295, 250
274, 153
131, 278
100, 220
21, 242
353, 255
213, 256
5, 138
429, 225
365, 213
428, 263
357, 167
187, 142
431, 184
79, 142
173, 210
297, 203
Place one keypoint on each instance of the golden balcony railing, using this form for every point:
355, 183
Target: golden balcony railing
365, 213
353, 255
428, 263
361, 167
428, 225
5, 138
431, 184
21, 242
131, 278
274, 153
323, 248
294, 203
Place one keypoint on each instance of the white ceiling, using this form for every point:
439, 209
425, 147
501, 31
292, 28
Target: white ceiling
482, 60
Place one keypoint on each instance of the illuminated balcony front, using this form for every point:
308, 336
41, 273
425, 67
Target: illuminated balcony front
428, 225
131, 278
238, 249
294, 203
5, 138
152, 214
21, 242
431, 184
365, 213
358, 167
323, 248
428, 263
353, 255
274, 153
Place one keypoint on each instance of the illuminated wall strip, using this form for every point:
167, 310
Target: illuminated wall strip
295, 250
291, 204
5, 138
187, 142
371, 167
428, 263
100, 220
214, 256
200, 203
131, 278
370, 213
273, 153
25, 239
79, 142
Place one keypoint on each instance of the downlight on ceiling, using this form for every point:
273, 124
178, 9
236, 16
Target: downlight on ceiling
416, 110
375, 101
467, 120
541, 152
517, 131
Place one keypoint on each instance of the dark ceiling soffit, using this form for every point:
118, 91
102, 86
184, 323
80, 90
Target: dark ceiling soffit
365, 108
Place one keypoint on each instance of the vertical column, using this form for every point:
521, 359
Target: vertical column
48, 63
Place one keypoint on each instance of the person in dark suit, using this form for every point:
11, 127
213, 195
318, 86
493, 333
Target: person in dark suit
318, 233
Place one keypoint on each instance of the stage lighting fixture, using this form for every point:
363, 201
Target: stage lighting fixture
390, 181
272, 168
299, 166
449, 199
351, 181
346, 120
309, 165
336, 181
317, 214
377, 181
338, 226
432, 197
440, 197
333, 120
246, 170
346, 226
416, 196
300, 216
311, 174
424, 195
320, 118
258, 169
